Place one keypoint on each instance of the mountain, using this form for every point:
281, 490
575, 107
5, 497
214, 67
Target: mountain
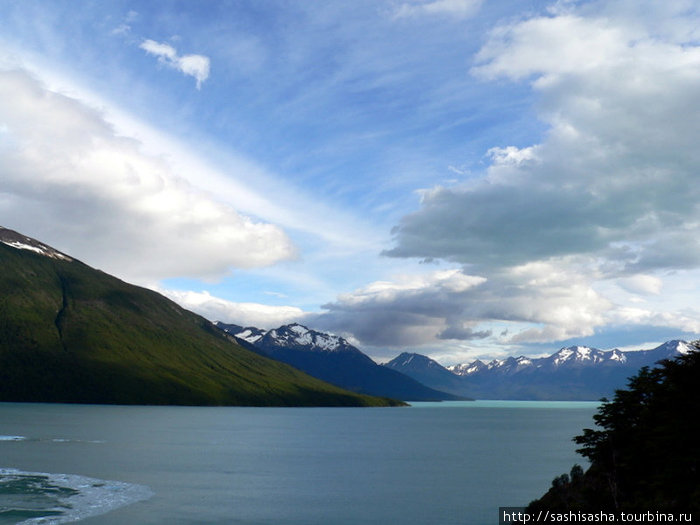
333, 359
572, 373
71, 333
428, 372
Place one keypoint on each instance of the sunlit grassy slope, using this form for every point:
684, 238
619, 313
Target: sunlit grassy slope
70, 333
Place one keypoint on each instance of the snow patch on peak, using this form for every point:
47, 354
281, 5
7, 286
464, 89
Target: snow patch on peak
299, 329
466, 369
250, 335
327, 342
496, 363
293, 333
616, 355
583, 352
563, 355
684, 348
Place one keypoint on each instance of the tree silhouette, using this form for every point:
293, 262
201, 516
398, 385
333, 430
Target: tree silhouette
645, 453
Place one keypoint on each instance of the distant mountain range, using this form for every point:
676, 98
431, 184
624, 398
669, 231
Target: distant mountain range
573, 373
70, 333
333, 359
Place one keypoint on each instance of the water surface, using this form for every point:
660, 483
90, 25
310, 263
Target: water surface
447, 463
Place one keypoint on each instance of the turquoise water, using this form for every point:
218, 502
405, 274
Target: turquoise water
446, 463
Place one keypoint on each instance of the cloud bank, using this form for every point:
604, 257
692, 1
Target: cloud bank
69, 180
243, 314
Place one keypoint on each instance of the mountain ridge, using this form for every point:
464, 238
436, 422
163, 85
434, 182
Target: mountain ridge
72, 333
571, 373
578, 353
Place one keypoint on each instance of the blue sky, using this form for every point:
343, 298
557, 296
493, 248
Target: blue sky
460, 178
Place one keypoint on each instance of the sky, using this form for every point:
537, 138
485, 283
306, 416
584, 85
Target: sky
460, 178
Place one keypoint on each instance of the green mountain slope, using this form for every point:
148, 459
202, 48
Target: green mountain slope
70, 333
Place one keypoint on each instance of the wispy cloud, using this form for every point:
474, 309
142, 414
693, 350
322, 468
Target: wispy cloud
196, 66
456, 8
121, 29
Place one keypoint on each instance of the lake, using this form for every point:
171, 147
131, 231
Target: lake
431, 463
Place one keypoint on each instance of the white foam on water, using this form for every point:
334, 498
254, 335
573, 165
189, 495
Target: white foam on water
80, 497
54, 440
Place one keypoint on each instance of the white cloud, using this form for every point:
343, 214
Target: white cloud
244, 314
387, 291
550, 46
456, 8
162, 51
100, 197
121, 29
196, 66
684, 321
512, 156
642, 284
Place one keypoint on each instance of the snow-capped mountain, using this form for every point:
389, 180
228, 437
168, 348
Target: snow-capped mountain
677, 347
575, 372
571, 356
300, 337
293, 335
577, 355
333, 359
22, 242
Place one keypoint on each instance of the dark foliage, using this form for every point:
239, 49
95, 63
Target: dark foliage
645, 453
